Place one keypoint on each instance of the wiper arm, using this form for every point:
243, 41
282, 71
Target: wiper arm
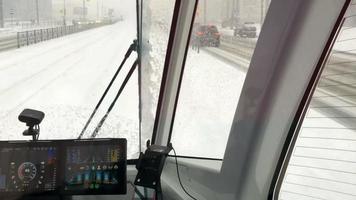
133, 47
122, 87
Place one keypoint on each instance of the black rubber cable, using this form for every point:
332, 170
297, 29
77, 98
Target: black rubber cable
180, 181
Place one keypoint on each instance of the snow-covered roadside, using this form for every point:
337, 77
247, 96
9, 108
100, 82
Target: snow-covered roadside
65, 78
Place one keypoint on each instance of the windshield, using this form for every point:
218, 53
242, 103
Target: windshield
156, 23
58, 57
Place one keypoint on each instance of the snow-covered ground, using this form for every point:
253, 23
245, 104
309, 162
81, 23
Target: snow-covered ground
65, 78
209, 95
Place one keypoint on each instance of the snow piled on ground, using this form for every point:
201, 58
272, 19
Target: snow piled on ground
65, 78
210, 91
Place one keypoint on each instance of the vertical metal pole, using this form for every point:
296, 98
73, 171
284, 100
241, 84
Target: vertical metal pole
205, 9
97, 9
227, 9
238, 8
37, 13
84, 10
64, 13
35, 35
102, 9
18, 39
233, 9
28, 42
1, 14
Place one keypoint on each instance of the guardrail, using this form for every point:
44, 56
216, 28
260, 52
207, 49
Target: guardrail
240, 46
26, 38
8, 42
238, 41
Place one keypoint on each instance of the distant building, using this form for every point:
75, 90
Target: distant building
218, 11
253, 10
26, 10
74, 9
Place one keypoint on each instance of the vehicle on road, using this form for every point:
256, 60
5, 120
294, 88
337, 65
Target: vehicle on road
248, 29
206, 35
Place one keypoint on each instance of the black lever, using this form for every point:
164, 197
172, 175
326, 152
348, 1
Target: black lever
122, 87
133, 47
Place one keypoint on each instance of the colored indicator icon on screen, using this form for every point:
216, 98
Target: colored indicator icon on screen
106, 177
79, 179
114, 155
98, 177
87, 177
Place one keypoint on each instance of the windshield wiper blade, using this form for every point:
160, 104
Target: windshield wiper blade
122, 87
133, 47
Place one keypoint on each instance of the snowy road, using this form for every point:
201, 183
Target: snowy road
65, 78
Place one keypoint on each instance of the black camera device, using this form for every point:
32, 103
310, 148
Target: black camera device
32, 118
150, 166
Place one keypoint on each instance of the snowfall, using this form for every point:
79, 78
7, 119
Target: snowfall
65, 78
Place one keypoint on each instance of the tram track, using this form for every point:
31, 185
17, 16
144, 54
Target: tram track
335, 94
332, 76
44, 69
43, 53
49, 80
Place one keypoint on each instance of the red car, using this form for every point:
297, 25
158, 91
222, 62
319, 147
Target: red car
206, 35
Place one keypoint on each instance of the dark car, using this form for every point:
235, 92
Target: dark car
206, 35
247, 30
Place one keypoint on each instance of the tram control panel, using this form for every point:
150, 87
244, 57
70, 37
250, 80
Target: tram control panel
94, 168
63, 167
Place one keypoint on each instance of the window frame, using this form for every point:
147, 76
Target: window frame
174, 59
296, 122
238, 173
139, 67
140, 5
299, 117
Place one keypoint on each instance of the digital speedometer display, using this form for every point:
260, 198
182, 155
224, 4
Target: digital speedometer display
28, 169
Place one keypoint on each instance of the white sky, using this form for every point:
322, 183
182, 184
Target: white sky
121, 7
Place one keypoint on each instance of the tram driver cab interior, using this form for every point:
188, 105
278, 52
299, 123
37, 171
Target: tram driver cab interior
161, 99
58, 169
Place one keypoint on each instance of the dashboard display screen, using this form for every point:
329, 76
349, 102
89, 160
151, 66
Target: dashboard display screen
63, 167
95, 168
28, 169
